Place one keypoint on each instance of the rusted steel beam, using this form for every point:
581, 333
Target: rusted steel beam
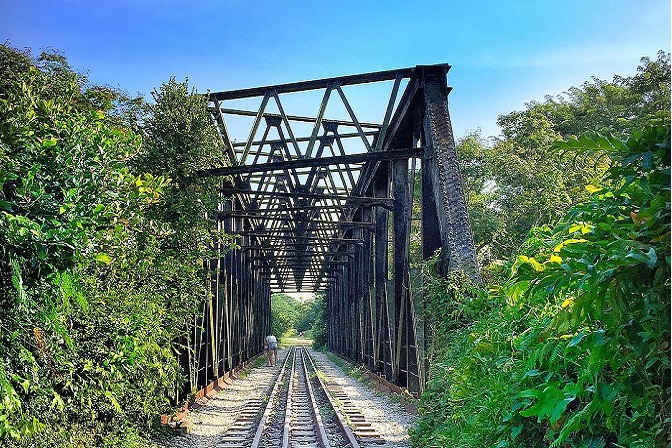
272, 236
382, 351
307, 139
251, 113
230, 215
402, 228
301, 260
284, 246
406, 153
309, 276
317, 208
386, 75
309, 284
312, 255
256, 177
440, 161
351, 200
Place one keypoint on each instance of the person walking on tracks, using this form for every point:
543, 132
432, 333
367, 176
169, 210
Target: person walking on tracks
271, 346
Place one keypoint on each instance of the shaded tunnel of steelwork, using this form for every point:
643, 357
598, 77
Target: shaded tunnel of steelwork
332, 203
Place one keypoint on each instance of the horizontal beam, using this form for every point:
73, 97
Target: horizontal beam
284, 246
307, 258
299, 140
301, 171
337, 207
387, 75
298, 260
228, 215
296, 233
251, 113
288, 277
307, 284
321, 161
357, 201
258, 234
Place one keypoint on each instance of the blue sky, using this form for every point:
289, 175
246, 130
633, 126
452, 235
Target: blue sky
503, 54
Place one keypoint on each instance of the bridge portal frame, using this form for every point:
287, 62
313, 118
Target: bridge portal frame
339, 224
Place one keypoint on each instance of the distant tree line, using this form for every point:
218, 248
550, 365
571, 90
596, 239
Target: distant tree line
290, 317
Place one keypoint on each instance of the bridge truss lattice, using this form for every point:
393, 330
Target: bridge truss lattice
333, 204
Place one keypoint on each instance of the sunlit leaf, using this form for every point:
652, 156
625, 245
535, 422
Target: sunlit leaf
103, 258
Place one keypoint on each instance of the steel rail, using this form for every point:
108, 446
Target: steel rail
269, 405
302, 399
341, 420
321, 433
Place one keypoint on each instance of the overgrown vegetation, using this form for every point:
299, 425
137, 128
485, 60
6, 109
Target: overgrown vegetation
290, 316
569, 347
102, 230
318, 329
516, 182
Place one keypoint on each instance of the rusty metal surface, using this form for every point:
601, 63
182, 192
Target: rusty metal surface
326, 204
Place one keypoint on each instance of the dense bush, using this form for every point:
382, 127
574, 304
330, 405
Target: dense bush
290, 316
318, 328
97, 285
573, 350
516, 181
285, 313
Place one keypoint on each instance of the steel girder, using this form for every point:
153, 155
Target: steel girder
339, 206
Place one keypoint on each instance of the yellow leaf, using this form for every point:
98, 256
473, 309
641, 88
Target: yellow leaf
592, 188
567, 302
535, 264
103, 258
567, 242
583, 227
555, 259
574, 227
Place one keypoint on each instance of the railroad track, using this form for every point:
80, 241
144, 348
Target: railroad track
302, 411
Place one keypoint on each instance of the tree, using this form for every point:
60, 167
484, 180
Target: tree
308, 313
285, 312
572, 349
319, 327
518, 181
101, 262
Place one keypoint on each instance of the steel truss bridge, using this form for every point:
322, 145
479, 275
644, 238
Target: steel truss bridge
333, 204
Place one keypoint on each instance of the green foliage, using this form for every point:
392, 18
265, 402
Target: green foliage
319, 327
285, 312
309, 312
572, 350
181, 137
608, 268
518, 181
100, 267
12, 64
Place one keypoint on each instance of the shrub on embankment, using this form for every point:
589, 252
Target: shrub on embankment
97, 283
572, 350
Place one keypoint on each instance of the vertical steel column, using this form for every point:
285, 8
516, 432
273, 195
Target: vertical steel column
443, 179
383, 347
402, 228
361, 287
368, 294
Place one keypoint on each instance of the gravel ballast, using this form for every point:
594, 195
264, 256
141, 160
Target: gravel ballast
209, 421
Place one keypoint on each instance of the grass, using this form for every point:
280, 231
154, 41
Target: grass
297, 341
